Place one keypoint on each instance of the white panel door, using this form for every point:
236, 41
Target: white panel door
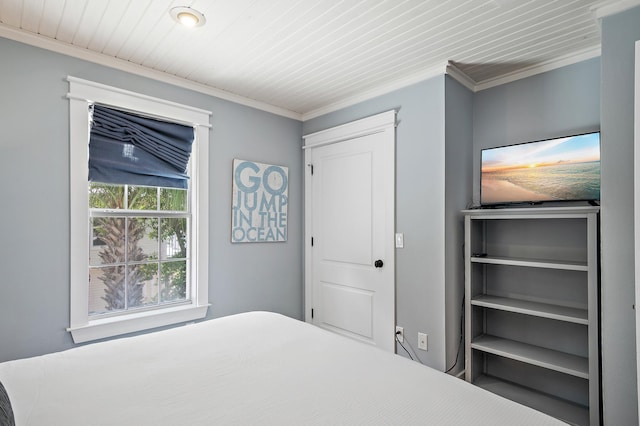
352, 226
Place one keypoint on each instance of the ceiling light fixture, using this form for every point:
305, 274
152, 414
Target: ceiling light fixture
187, 16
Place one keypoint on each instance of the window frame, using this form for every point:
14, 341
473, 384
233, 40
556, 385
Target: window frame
83, 328
158, 214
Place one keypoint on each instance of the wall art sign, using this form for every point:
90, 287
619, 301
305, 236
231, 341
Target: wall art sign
260, 200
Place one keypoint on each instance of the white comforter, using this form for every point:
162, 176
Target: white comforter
246, 369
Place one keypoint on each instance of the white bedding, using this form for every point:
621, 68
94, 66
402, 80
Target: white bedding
246, 369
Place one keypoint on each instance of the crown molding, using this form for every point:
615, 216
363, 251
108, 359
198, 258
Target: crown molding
460, 77
608, 8
378, 91
453, 71
476, 86
126, 66
539, 68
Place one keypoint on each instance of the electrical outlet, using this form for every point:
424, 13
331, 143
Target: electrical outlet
422, 341
400, 334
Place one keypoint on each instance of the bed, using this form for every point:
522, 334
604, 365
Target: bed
245, 369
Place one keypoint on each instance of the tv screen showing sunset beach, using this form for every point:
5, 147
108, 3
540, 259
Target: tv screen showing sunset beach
559, 169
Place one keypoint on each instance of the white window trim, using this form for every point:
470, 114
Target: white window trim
82, 327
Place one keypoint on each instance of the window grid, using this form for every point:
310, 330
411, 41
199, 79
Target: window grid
161, 258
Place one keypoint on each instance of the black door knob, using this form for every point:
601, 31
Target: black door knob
378, 263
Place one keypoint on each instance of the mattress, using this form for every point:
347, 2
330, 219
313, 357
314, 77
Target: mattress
246, 369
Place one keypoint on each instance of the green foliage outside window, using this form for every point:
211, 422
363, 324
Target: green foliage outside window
124, 282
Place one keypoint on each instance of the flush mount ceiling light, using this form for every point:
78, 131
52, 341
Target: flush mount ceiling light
187, 16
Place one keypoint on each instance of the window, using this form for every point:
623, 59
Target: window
139, 252
143, 260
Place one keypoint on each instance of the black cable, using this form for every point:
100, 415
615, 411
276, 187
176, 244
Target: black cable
458, 353
405, 349
408, 353
461, 319
461, 336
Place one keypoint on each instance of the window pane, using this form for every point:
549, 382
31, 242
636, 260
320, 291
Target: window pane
174, 238
174, 280
142, 288
102, 196
173, 199
107, 244
106, 289
147, 275
143, 198
142, 242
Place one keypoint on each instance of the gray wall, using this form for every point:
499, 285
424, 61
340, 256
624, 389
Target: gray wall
619, 33
561, 102
458, 195
34, 189
420, 198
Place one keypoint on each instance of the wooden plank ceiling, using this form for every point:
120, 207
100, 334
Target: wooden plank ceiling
306, 56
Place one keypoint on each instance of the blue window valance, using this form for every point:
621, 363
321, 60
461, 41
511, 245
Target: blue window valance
126, 148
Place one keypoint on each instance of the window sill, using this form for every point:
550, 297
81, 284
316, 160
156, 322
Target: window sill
115, 326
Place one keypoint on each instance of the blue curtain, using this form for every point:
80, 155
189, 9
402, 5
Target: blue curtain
126, 148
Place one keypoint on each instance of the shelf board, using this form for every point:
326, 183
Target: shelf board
544, 310
546, 358
531, 263
569, 212
556, 407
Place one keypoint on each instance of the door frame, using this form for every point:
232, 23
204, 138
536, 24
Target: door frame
636, 179
384, 122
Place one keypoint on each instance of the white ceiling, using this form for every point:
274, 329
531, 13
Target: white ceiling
302, 58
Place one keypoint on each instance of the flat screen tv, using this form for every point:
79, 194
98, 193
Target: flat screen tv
559, 169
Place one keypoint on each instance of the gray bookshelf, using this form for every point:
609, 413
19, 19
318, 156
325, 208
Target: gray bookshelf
531, 308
